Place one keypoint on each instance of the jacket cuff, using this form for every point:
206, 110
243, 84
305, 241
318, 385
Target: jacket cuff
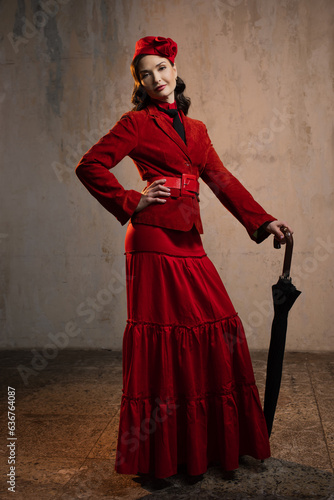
129, 206
261, 233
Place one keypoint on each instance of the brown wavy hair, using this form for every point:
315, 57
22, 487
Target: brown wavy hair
141, 99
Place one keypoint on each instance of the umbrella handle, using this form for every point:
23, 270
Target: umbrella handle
288, 251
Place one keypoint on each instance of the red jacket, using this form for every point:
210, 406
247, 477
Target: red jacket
158, 151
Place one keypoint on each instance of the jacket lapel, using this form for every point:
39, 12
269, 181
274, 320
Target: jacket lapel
168, 129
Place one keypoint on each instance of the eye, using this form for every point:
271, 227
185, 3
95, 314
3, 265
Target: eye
144, 75
162, 67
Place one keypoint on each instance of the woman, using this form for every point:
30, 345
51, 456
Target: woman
189, 394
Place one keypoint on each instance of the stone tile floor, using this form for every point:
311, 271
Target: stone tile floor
67, 415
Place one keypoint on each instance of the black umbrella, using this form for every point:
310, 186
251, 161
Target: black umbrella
284, 296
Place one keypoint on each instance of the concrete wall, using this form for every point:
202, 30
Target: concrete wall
260, 75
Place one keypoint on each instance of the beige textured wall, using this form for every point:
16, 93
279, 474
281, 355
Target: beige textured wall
260, 75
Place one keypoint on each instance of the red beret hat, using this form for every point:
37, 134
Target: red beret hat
157, 46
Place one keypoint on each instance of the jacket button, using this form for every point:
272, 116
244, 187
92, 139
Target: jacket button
187, 164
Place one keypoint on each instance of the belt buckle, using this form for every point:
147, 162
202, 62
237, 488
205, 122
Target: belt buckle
185, 181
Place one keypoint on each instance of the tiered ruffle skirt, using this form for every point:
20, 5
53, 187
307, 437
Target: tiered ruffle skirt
189, 394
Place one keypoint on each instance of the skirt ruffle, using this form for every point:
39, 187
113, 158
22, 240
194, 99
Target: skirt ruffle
189, 394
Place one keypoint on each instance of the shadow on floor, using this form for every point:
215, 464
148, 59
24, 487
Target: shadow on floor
274, 479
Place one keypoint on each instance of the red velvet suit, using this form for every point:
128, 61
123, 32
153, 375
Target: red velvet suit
189, 393
158, 151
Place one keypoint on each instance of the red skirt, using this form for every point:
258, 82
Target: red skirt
189, 394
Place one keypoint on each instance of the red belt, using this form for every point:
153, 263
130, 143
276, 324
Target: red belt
187, 185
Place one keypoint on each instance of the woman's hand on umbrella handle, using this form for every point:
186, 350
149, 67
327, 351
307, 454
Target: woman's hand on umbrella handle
152, 194
275, 227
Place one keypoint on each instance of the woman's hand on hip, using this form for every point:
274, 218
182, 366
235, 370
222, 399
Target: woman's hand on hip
152, 194
275, 227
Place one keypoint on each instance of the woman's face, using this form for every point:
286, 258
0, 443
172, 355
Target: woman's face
158, 77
